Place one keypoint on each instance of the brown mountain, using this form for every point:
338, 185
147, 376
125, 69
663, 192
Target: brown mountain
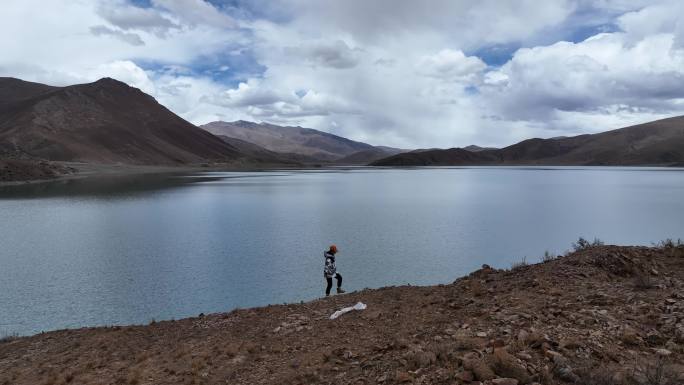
262, 155
102, 122
656, 143
368, 156
476, 148
306, 142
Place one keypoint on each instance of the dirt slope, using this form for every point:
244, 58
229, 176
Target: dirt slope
605, 315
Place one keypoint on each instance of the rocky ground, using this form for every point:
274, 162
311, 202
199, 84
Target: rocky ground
603, 315
12, 170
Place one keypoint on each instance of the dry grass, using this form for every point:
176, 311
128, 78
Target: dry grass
547, 257
521, 264
583, 244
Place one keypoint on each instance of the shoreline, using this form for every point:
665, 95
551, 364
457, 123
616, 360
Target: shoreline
90, 170
613, 311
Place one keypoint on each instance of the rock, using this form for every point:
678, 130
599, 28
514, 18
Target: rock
465, 376
662, 352
401, 377
630, 337
481, 334
506, 365
479, 367
552, 355
523, 335
382, 378
571, 343
565, 373
505, 381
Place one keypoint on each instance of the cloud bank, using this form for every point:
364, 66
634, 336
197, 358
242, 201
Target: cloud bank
394, 72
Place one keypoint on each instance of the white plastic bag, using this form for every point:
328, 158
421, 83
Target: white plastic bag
358, 306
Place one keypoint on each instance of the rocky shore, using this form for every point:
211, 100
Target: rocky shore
603, 315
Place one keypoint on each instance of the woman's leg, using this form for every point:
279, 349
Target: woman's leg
339, 280
327, 289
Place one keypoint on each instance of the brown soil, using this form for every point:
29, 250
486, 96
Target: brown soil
602, 315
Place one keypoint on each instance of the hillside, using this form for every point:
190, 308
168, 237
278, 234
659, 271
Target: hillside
102, 122
13, 170
604, 315
367, 156
260, 154
313, 144
658, 143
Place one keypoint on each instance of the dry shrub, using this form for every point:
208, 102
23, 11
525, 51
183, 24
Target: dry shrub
521, 264
660, 372
420, 359
466, 343
442, 350
547, 257
583, 244
8, 338
598, 376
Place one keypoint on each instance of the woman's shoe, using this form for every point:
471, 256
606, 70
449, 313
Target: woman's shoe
340, 290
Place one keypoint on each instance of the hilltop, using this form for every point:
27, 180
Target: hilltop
103, 122
601, 315
658, 143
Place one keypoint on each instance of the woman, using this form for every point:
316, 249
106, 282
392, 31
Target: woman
330, 270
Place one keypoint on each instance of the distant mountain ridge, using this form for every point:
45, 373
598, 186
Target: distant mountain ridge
105, 121
658, 143
306, 142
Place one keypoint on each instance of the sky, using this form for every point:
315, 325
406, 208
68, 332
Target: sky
402, 73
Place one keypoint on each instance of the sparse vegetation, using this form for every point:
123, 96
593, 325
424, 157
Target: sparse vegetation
659, 372
547, 257
669, 243
518, 265
8, 337
583, 244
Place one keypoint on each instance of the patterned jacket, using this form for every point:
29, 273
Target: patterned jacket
330, 269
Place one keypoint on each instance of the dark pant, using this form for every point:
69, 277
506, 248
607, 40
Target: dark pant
329, 280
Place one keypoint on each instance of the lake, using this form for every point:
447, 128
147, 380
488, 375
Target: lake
129, 250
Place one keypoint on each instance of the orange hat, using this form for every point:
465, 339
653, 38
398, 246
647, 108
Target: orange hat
333, 248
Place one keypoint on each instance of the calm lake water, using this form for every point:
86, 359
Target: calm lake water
129, 250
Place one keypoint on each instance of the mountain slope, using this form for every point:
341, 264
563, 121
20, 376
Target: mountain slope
262, 155
368, 156
656, 143
102, 122
308, 142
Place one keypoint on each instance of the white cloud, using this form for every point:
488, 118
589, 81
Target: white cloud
129, 17
603, 71
130, 38
335, 54
451, 65
196, 12
393, 72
